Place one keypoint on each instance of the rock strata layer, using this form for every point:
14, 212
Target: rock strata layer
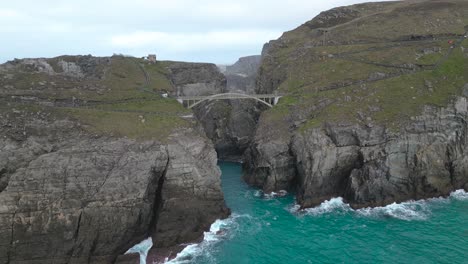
71, 198
368, 166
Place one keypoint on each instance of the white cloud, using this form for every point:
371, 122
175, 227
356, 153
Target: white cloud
208, 30
10, 14
193, 41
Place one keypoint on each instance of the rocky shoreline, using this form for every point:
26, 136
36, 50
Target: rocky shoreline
368, 166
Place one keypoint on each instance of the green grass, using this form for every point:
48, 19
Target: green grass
398, 98
160, 105
124, 105
159, 80
323, 87
131, 125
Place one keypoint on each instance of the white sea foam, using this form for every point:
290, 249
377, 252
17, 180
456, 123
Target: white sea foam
272, 195
142, 248
187, 254
329, 206
408, 211
218, 230
459, 195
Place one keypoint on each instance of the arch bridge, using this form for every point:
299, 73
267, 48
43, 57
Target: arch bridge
191, 101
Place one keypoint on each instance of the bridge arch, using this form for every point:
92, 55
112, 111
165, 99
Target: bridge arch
262, 98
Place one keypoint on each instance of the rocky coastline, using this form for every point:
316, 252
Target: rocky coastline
97, 155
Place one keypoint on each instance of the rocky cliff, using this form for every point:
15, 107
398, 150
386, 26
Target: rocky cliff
241, 76
373, 110
196, 78
93, 160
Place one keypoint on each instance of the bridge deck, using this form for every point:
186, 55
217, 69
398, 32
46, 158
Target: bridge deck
228, 96
192, 101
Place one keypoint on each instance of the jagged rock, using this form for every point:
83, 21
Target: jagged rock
91, 199
268, 163
245, 66
241, 75
370, 166
465, 90
71, 69
230, 125
192, 79
377, 76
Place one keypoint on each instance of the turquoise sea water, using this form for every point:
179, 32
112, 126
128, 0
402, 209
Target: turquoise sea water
263, 229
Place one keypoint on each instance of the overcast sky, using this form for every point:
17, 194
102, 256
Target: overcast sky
196, 30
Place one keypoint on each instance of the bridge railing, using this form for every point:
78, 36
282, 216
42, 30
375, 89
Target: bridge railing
191, 101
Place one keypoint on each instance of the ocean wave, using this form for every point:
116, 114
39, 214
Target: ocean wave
142, 249
409, 211
459, 195
270, 196
333, 205
219, 230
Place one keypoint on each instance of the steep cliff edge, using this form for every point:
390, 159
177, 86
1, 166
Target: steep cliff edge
93, 160
374, 110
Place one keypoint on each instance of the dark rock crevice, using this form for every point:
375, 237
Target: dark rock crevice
158, 198
3, 179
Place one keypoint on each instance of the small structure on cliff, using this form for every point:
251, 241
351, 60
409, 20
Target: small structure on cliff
152, 58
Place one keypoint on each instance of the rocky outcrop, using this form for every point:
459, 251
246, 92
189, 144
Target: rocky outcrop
268, 162
241, 75
70, 66
191, 197
374, 167
192, 79
246, 65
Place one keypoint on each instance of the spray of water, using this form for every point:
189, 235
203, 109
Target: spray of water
141, 248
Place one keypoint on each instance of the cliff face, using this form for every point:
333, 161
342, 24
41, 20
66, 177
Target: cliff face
91, 164
375, 167
193, 79
230, 125
241, 75
371, 112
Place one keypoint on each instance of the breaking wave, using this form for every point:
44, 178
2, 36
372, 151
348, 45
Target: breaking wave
409, 211
459, 195
219, 230
142, 249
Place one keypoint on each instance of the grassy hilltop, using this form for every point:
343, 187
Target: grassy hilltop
119, 96
368, 63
